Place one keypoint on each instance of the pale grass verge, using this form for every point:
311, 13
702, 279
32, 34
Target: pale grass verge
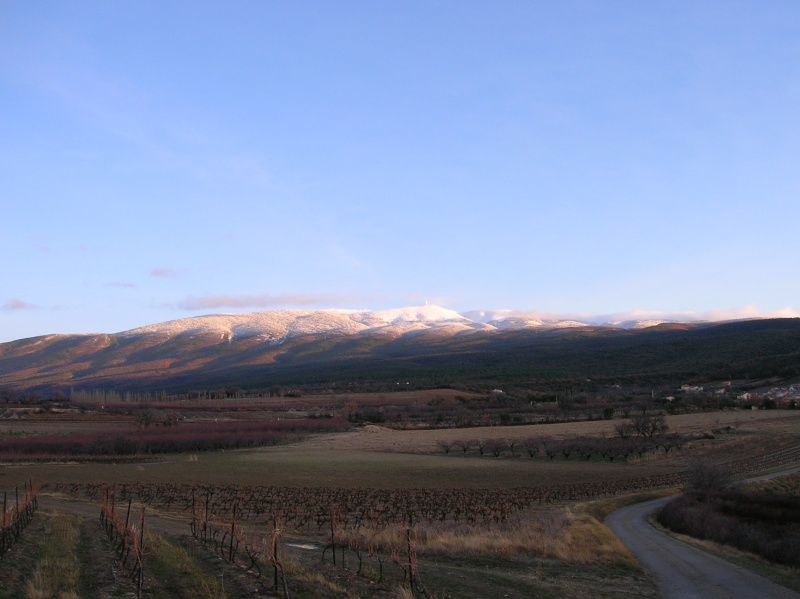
175, 562
590, 541
316, 580
601, 508
403, 593
788, 485
562, 534
57, 573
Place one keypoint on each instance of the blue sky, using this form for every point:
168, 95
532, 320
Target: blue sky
167, 159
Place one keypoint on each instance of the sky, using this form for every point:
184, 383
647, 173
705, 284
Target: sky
160, 160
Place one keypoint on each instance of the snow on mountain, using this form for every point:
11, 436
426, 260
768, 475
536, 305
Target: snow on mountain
427, 313
275, 325
510, 319
514, 322
567, 324
271, 324
487, 316
636, 324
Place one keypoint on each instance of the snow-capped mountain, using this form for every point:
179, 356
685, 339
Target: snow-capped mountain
223, 346
276, 325
283, 324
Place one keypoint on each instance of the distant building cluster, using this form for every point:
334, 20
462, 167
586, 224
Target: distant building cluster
775, 397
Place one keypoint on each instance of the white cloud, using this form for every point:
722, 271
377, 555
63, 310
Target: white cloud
18, 304
162, 272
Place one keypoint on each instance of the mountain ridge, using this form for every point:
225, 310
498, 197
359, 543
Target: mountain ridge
260, 347
296, 321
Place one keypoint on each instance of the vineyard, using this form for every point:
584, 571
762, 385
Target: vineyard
306, 506
375, 533
363, 513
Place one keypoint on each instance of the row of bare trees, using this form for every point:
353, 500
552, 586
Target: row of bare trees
608, 448
641, 434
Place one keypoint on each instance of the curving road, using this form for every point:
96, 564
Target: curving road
681, 571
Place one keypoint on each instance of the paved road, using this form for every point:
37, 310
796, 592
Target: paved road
681, 571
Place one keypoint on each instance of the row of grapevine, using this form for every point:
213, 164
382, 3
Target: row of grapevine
17, 515
253, 549
230, 540
312, 506
127, 536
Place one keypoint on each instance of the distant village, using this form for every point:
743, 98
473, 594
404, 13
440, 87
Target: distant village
772, 398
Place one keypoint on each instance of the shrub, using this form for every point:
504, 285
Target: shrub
703, 476
763, 523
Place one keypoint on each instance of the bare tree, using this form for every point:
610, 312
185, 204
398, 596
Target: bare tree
586, 447
624, 429
531, 445
496, 446
481, 445
566, 448
669, 442
445, 445
513, 444
465, 444
550, 447
649, 425
7, 393
147, 417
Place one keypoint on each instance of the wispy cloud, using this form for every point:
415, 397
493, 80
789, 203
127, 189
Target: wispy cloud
266, 301
123, 284
162, 272
121, 107
18, 304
